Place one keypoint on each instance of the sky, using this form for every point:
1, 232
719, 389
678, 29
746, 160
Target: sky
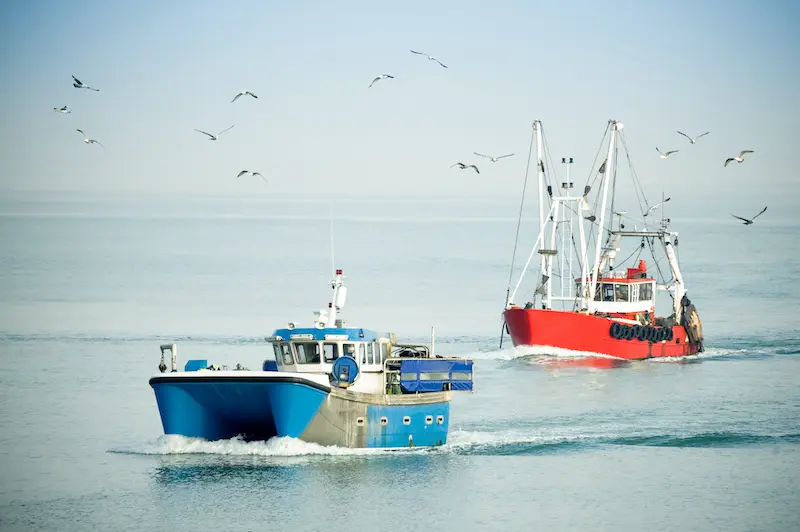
316, 129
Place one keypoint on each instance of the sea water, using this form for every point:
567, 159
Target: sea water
91, 287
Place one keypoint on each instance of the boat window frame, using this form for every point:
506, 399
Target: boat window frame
649, 289
285, 349
610, 296
362, 353
622, 287
296, 344
371, 358
343, 350
337, 352
634, 292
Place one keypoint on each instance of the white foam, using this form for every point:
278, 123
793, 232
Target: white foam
172, 444
528, 351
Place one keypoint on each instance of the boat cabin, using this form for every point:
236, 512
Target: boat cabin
367, 355
629, 294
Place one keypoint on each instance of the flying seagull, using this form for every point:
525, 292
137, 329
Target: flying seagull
382, 76
430, 57
493, 159
79, 85
665, 155
244, 93
656, 206
463, 166
213, 137
245, 172
62, 110
739, 159
693, 140
745, 221
88, 140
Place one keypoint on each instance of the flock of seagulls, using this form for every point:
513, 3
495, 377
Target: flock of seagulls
739, 159
78, 84
460, 165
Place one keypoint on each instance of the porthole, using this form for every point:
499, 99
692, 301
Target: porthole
428, 420
440, 420
406, 420
384, 420
360, 421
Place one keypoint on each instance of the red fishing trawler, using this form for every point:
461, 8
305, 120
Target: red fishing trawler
608, 308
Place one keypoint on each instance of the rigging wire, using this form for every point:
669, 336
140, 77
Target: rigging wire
519, 218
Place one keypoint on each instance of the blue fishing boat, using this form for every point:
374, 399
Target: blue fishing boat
328, 384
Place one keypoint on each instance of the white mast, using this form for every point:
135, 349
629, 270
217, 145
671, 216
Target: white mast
537, 128
609, 175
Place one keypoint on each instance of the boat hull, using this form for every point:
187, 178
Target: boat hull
259, 407
593, 334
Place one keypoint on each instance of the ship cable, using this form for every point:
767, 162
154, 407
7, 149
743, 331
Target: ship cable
516, 237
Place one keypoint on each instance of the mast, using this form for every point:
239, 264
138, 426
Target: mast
609, 175
537, 128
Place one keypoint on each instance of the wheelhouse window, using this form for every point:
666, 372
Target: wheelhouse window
283, 354
349, 350
362, 353
331, 351
621, 292
608, 292
307, 352
646, 292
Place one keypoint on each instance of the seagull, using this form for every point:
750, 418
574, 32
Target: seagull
88, 140
62, 110
463, 166
656, 206
493, 159
79, 85
745, 221
244, 93
430, 57
213, 137
665, 155
693, 140
245, 172
739, 159
382, 76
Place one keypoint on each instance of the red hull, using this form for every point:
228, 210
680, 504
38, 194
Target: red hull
593, 334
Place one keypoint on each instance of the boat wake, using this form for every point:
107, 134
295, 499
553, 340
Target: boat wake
514, 442
289, 451
543, 355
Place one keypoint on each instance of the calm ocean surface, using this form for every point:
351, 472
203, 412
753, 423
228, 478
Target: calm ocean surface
90, 288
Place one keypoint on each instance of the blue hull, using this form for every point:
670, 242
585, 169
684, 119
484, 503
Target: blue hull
258, 408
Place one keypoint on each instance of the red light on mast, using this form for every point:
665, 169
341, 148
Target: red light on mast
338, 272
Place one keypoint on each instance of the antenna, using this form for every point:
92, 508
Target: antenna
333, 257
